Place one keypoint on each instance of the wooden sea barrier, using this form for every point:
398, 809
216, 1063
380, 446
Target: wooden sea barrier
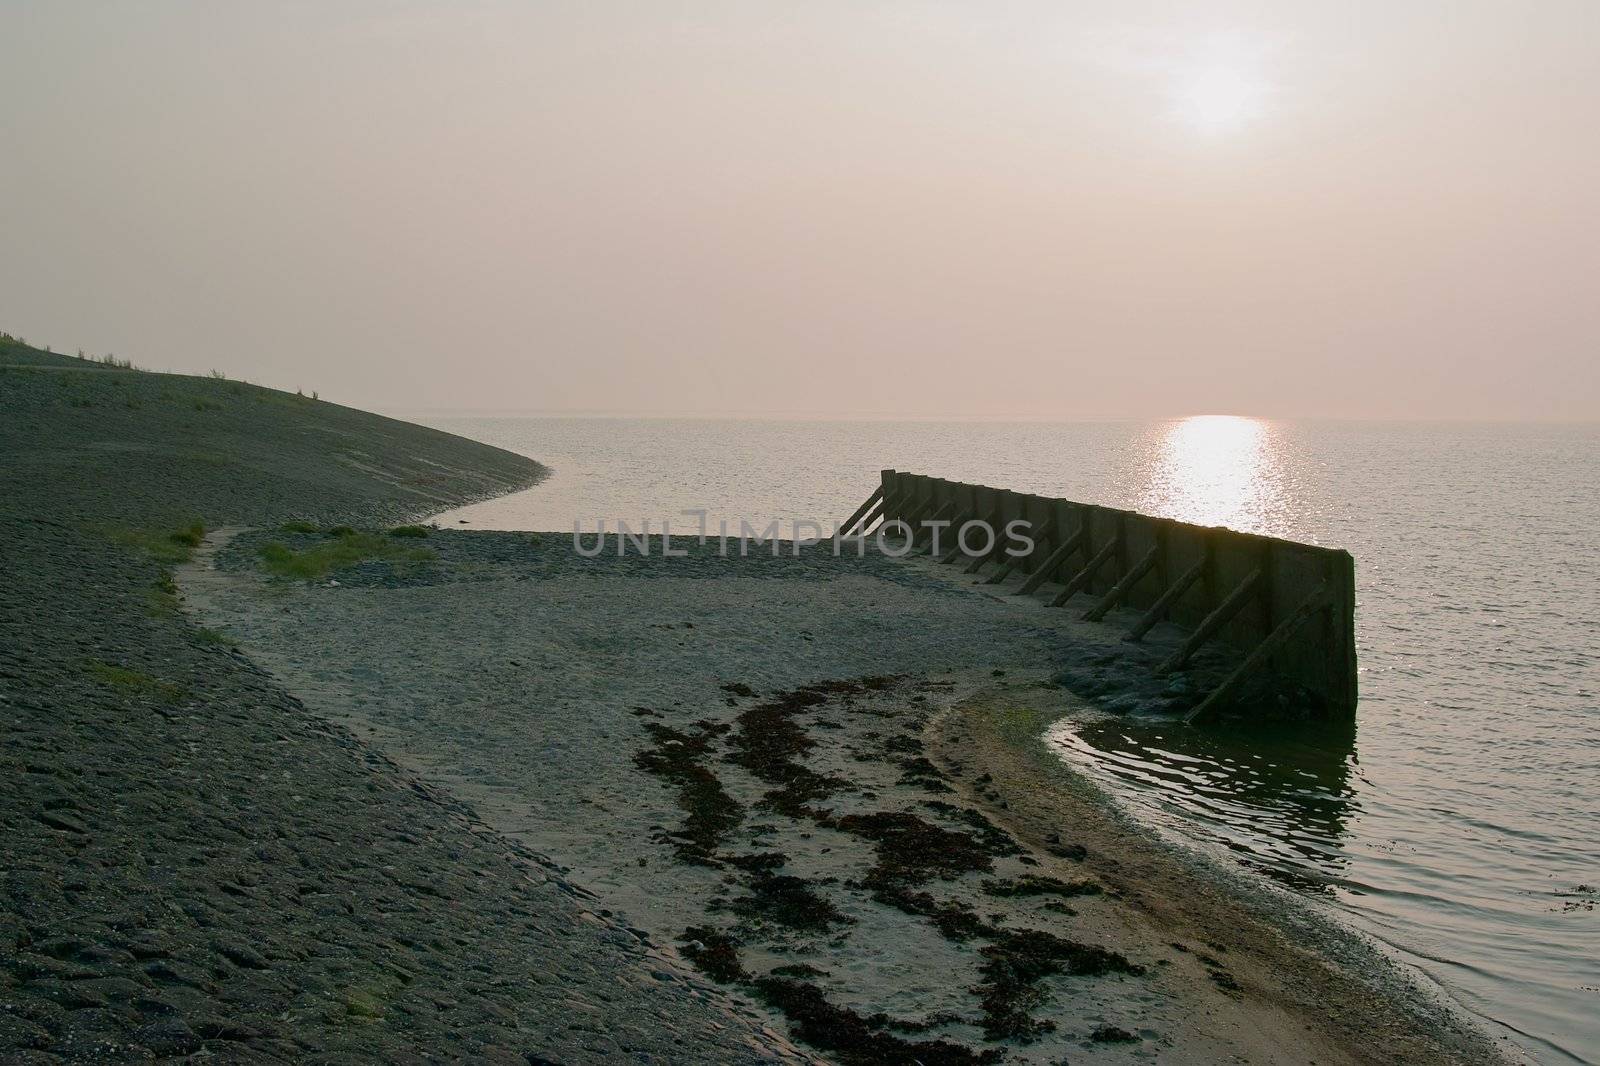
1287, 609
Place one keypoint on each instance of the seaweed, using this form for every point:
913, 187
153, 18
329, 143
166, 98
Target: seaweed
911, 851
955, 920
709, 812
853, 1039
714, 953
788, 901
770, 744
1017, 961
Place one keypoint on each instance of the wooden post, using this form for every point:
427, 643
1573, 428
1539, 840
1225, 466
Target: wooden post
1320, 600
1164, 602
1054, 561
1120, 589
1047, 533
1236, 601
1083, 577
955, 547
938, 516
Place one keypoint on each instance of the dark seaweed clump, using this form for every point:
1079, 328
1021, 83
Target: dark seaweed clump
995, 839
954, 920
788, 901
714, 952
853, 1039
709, 812
1017, 961
911, 851
770, 744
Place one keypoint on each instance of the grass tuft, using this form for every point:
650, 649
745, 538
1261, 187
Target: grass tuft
299, 525
342, 550
409, 531
134, 682
170, 547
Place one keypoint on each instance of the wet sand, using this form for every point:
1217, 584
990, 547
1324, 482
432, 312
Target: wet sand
816, 786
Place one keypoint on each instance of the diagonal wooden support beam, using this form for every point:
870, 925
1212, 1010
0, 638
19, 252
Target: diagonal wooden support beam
1318, 601
862, 514
1083, 577
1053, 562
1236, 602
1164, 602
1121, 588
1048, 532
994, 548
870, 519
955, 548
918, 528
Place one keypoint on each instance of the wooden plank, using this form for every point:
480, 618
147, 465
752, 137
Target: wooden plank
1158, 610
1120, 589
903, 508
861, 512
1320, 600
1082, 577
869, 518
1236, 602
1053, 561
1013, 561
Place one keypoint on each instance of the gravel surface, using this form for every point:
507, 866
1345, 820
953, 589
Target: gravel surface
737, 756
191, 863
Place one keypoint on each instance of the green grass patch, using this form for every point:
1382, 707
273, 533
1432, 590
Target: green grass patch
336, 553
409, 531
299, 525
215, 637
169, 547
133, 682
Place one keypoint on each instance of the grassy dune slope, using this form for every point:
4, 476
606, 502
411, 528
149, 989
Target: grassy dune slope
189, 860
101, 442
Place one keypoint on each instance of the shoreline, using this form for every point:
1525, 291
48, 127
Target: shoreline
1282, 947
535, 604
430, 738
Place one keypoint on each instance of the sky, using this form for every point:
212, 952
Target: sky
990, 209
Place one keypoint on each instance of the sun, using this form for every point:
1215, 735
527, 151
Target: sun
1218, 99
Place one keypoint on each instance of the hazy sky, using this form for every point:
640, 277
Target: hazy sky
1049, 209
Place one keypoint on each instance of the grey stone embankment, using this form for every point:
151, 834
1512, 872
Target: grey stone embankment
190, 861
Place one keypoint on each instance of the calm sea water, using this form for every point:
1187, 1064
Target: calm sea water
1460, 824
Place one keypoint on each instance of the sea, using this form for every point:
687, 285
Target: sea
1458, 826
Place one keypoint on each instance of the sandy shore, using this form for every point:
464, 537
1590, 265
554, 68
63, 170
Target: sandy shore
815, 787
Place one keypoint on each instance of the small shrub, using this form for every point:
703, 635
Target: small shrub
409, 531
342, 531
298, 525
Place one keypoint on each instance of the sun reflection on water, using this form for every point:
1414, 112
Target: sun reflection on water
1217, 470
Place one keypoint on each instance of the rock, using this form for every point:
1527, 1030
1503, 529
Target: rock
169, 1036
63, 821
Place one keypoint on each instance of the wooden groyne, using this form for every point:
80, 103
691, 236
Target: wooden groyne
1287, 609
